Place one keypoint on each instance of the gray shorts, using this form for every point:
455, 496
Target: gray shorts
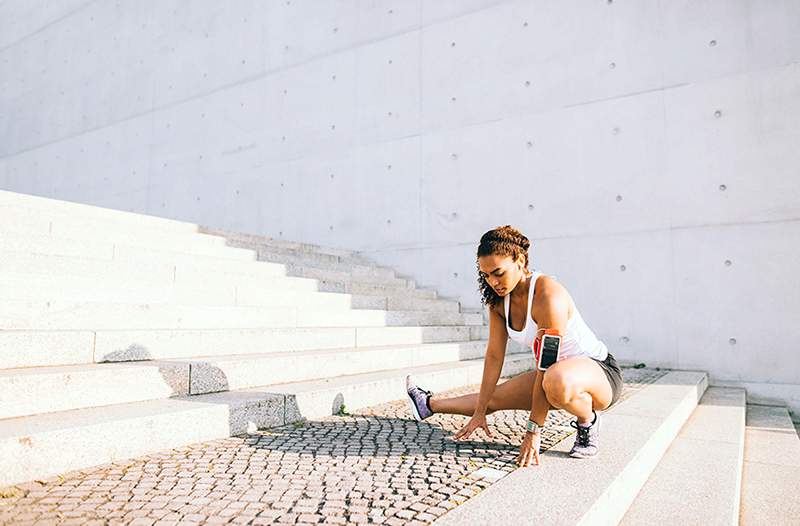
614, 375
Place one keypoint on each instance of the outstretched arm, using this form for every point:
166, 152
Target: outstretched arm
492, 367
553, 313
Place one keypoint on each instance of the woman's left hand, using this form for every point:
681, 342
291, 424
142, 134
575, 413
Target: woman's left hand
529, 449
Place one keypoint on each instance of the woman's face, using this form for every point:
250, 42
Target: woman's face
501, 272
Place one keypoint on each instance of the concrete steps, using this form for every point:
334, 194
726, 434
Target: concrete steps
33, 348
47, 444
24, 391
771, 470
258, 242
676, 451
635, 435
13, 200
122, 334
698, 480
158, 288
41, 315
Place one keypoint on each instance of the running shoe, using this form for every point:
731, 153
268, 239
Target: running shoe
587, 441
418, 400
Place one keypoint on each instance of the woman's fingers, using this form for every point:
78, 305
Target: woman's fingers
486, 430
464, 432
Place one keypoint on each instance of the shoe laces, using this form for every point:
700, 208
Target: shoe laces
583, 433
421, 390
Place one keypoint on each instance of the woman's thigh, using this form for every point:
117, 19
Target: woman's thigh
577, 375
513, 394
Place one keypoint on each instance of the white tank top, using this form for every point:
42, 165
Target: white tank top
578, 341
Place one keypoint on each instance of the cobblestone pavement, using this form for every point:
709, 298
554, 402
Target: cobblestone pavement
375, 466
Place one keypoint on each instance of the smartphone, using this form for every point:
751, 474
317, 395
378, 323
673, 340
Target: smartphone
548, 351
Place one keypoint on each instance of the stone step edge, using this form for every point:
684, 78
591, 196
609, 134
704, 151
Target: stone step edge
92, 385
714, 430
168, 256
771, 466
634, 436
42, 446
30, 200
215, 252
264, 240
83, 367
184, 309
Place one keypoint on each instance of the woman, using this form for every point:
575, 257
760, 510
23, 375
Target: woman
585, 379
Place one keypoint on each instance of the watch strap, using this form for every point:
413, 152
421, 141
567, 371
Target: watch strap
532, 427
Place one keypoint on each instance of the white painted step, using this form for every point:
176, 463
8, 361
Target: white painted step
46, 205
320, 262
164, 271
634, 436
21, 348
45, 445
110, 248
698, 481
30, 391
24, 222
221, 292
771, 472
280, 244
37, 315
72, 253
304, 269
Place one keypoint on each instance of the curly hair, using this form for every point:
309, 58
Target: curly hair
501, 241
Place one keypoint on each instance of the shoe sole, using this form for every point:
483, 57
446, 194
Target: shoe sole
413, 407
578, 455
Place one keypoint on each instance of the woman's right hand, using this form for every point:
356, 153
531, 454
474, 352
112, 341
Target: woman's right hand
478, 420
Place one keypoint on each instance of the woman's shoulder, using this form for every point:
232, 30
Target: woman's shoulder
498, 308
549, 290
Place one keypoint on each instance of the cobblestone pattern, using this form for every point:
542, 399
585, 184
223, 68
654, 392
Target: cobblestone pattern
378, 466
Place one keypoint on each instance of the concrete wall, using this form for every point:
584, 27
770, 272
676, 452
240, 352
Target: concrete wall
649, 149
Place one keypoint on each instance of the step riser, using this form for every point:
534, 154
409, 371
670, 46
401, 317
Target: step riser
32, 394
108, 262
49, 452
18, 315
76, 228
159, 345
328, 402
209, 377
289, 247
28, 392
111, 249
304, 270
53, 451
360, 271
22, 205
43, 348
83, 289
377, 289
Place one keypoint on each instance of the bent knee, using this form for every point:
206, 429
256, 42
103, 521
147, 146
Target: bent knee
558, 386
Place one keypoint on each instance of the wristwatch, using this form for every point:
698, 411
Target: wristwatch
532, 427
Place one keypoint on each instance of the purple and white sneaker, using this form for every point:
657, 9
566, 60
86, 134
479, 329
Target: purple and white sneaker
419, 400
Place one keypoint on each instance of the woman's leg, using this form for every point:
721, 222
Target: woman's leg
513, 394
578, 385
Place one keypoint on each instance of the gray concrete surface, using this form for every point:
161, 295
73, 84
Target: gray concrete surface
771, 468
664, 134
566, 491
698, 480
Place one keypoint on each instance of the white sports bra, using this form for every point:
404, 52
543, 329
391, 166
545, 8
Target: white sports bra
578, 341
